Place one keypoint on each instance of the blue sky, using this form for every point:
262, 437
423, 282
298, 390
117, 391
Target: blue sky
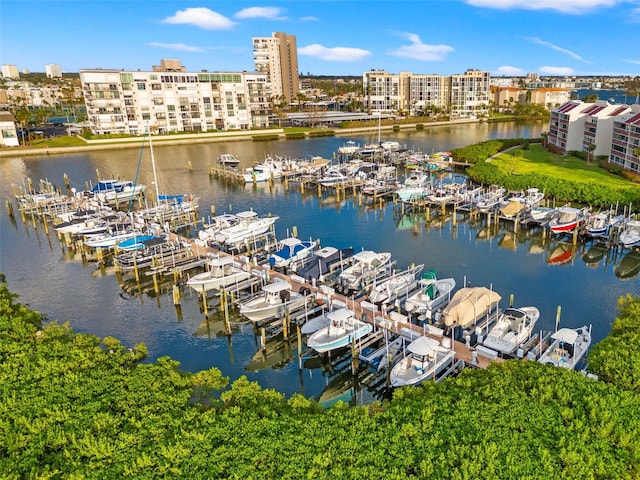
505, 37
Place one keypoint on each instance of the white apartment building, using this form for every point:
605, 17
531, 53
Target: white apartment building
465, 95
10, 72
173, 100
597, 129
53, 71
277, 57
8, 134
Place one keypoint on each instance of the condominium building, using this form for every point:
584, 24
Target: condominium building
463, 95
53, 71
10, 72
599, 129
172, 100
277, 57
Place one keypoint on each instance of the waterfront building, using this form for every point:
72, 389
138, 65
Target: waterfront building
8, 134
174, 100
10, 72
549, 97
53, 71
277, 57
465, 95
598, 129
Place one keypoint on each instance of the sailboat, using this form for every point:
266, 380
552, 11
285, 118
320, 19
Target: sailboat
168, 207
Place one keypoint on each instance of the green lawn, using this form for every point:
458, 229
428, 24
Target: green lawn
536, 160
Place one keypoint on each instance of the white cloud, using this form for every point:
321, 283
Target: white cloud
633, 62
201, 17
335, 54
564, 6
177, 46
558, 49
509, 71
421, 51
271, 13
547, 70
309, 19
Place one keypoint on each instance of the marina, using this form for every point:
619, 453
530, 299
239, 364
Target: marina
428, 224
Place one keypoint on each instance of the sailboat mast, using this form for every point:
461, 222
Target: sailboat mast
153, 167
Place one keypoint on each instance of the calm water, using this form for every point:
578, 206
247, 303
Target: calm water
56, 283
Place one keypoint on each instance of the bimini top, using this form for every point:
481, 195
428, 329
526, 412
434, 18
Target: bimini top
423, 346
246, 214
340, 315
566, 335
276, 287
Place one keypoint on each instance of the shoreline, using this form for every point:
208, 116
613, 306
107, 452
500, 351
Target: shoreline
172, 140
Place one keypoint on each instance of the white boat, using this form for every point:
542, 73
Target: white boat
470, 305
249, 226
111, 239
513, 327
343, 329
630, 236
223, 272
270, 169
396, 286
274, 301
491, 199
367, 266
432, 294
215, 225
228, 160
322, 262
291, 250
533, 197
413, 193
111, 191
567, 219
567, 348
541, 214
511, 207
426, 358
390, 146
599, 224
349, 148
334, 177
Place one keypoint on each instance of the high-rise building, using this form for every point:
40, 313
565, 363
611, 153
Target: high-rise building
10, 71
171, 99
53, 71
465, 95
277, 56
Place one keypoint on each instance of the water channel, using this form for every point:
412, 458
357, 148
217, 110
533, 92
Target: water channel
59, 284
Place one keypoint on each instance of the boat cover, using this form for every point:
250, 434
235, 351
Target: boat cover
468, 305
423, 346
512, 208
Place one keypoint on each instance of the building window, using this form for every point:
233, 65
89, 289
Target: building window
141, 86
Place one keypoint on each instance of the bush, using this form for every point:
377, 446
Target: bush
321, 133
263, 138
420, 126
295, 136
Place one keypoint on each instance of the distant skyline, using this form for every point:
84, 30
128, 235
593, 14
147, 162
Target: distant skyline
445, 37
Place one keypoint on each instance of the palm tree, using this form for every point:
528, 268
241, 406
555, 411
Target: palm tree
590, 149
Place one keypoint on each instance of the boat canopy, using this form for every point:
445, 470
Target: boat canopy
468, 305
340, 315
423, 346
247, 214
221, 261
566, 335
277, 286
326, 252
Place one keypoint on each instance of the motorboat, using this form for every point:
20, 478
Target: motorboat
532, 197
112, 238
491, 199
228, 160
432, 294
270, 169
599, 225
367, 266
222, 272
112, 191
541, 214
249, 226
413, 193
275, 300
314, 324
470, 305
390, 146
510, 208
630, 236
349, 148
139, 242
426, 359
323, 261
215, 225
395, 287
568, 346
567, 219
343, 329
291, 250
513, 327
